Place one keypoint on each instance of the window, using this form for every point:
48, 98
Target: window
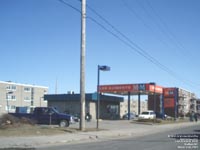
11, 97
145, 113
27, 89
11, 87
45, 91
112, 109
11, 108
27, 98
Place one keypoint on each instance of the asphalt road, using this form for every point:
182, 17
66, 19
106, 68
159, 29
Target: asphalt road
184, 138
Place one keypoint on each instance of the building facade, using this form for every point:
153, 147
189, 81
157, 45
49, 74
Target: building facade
198, 106
133, 106
175, 102
187, 102
14, 95
70, 104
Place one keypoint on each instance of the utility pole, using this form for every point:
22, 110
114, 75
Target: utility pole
82, 65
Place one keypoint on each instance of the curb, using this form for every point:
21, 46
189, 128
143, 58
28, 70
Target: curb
83, 137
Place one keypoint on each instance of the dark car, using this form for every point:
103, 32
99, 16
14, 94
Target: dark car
132, 116
162, 116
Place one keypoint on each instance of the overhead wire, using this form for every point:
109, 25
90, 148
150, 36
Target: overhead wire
69, 5
138, 49
135, 47
160, 23
170, 34
129, 8
161, 26
179, 48
127, 41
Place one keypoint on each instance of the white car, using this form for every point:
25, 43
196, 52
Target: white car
147, 115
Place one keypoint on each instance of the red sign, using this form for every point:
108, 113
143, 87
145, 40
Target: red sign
130, 88
117, 88
168, 102
158, 89
169, 92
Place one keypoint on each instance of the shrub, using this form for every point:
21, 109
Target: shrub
7, 121
150, 120
188, 114
24, 120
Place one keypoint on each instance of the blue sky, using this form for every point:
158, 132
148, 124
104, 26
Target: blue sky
40, 43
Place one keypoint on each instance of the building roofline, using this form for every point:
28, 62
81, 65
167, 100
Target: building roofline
21, 84
180, 88
88, 96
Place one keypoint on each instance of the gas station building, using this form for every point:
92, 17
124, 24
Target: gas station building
174, 102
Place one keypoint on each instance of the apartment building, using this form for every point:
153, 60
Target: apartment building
176, 102
187, 102
198, 106
133, 106
13, 95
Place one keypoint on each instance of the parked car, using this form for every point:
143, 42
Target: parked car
47, 115
147, 115
162, 116
132, 116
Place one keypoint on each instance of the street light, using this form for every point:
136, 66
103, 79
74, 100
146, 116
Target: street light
102, 68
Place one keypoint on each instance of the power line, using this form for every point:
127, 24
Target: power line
133, 45
69, 5
128, 7
160, 23
128, 42
163, 26
171, 36
138, 49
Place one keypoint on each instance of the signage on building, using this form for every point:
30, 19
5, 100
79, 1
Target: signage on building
94, 96
170, 97
142, 87
123, 88
169, 92
168, 102
154, 88
136, 88
116, 88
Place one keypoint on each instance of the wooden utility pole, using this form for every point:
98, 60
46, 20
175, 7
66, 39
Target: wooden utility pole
82, 65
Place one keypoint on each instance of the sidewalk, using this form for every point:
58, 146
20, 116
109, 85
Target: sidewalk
109, 130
